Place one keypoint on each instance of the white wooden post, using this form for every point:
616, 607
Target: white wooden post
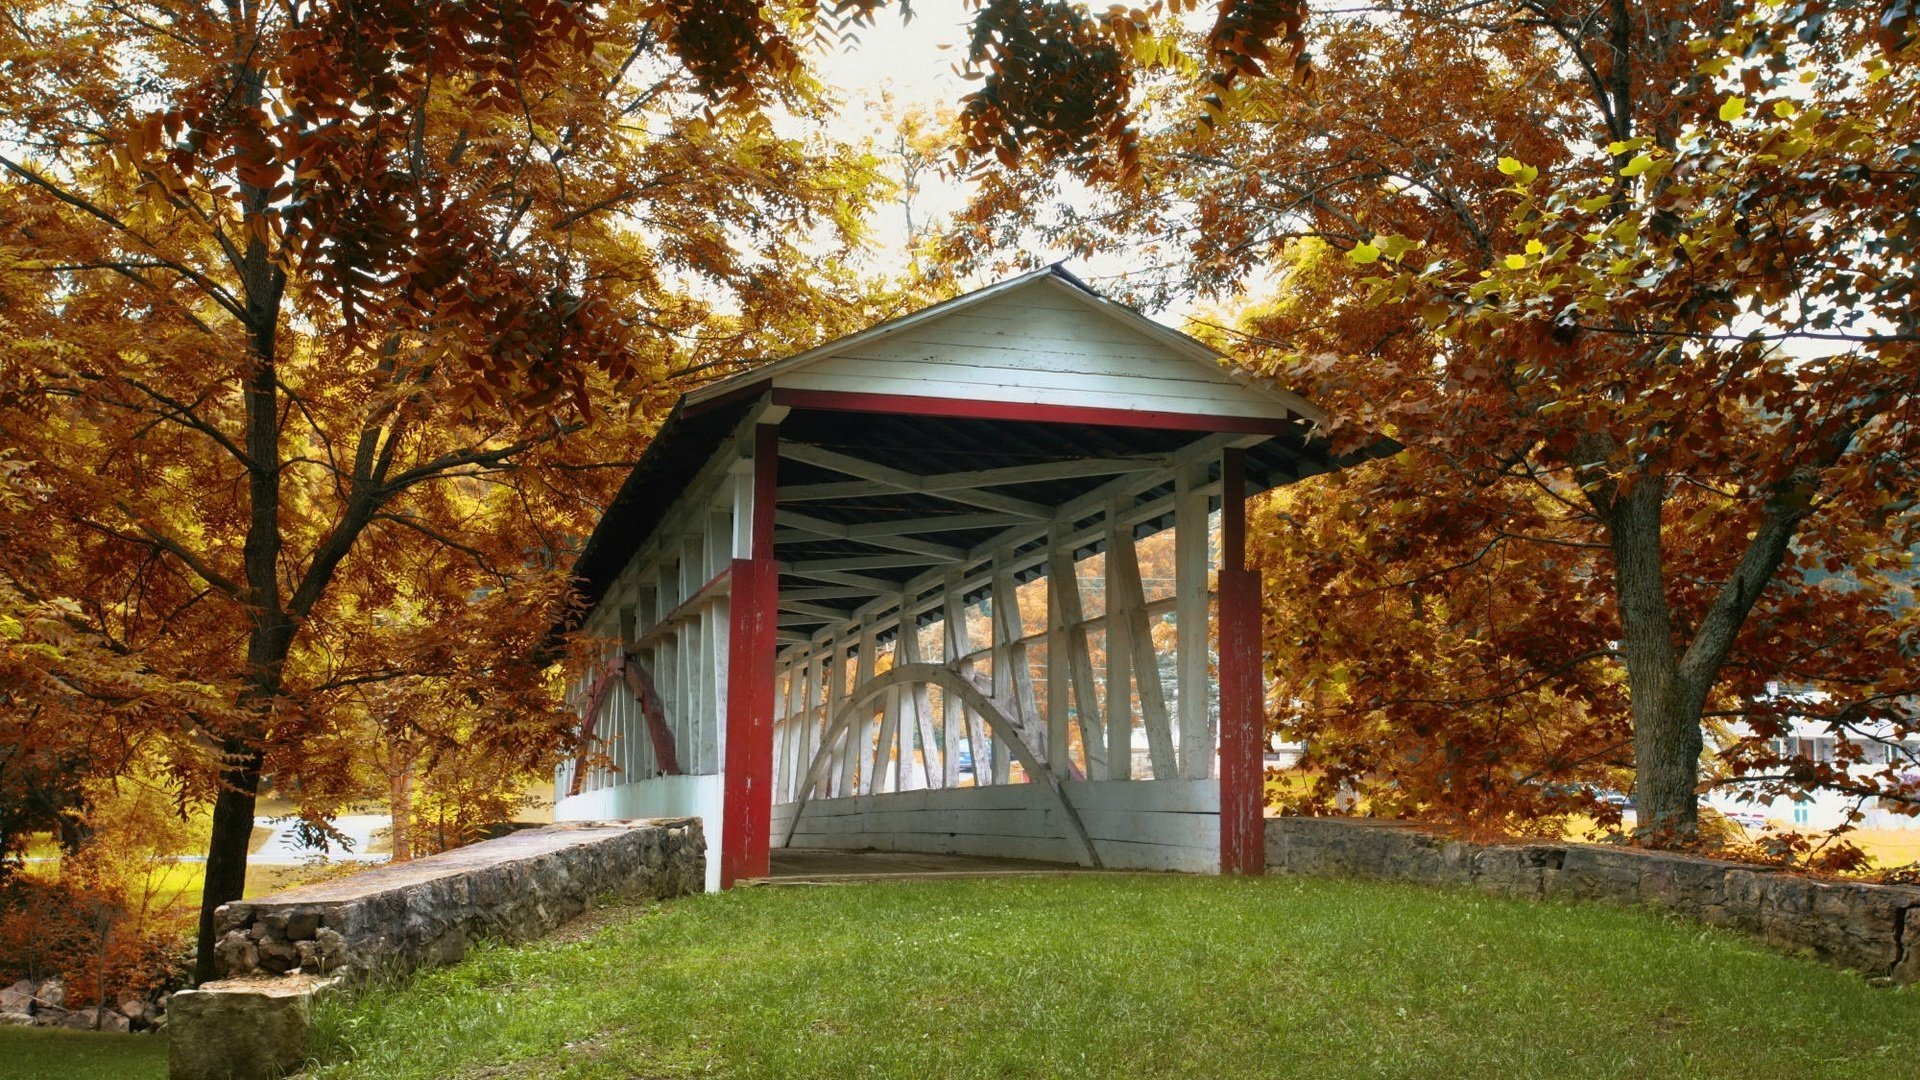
1059, 670
1075, 659
866, 727
1119, 656
845, 757
958, 646
886, 773
1011, 657
906, 650
1190, 543
1128, 604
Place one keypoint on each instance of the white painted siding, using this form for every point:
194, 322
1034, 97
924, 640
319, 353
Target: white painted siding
1035, 346
663, 796
1135, 825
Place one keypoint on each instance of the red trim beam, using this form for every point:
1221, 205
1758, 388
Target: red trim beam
908, 405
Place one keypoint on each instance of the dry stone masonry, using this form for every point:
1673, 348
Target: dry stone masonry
1872, 929
276, 953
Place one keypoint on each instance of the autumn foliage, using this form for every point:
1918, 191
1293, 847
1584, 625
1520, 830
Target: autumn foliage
308, 308
1634, 285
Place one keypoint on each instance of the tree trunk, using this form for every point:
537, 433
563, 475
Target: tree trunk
1666, 709
400, 805
227, 847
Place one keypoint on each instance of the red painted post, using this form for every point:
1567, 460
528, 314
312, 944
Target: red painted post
747, 802
1242, 717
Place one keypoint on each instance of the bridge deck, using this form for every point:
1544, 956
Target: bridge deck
800, 866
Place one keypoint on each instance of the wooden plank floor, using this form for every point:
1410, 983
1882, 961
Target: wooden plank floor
799, 866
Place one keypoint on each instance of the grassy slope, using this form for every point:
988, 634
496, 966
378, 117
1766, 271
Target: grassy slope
1129, 976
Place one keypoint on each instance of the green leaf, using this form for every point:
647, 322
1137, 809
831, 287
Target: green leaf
1595, 203
1362, 254
1393, 245
1638, 165
1511, 166
1733, 108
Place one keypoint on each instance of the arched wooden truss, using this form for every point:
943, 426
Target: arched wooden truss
889, 594
1002, 718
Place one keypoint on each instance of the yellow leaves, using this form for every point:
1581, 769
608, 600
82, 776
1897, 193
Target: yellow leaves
1394, 246
1785, 110
1388, 245
1733, 108
1515, 262
1522, 173
1640, 163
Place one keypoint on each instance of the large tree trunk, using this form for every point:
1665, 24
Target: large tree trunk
270, 637
226, 879
1666, 710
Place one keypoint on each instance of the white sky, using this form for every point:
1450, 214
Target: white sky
914, 64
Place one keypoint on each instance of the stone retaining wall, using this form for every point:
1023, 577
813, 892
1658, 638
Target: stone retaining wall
276, 953
423, 913
1872, 929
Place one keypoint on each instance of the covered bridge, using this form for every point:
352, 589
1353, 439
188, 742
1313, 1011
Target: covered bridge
955, 583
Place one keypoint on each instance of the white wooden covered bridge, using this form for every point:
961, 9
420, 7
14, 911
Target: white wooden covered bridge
951, 584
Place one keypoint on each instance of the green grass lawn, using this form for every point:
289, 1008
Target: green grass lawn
57, 1054
1135, 976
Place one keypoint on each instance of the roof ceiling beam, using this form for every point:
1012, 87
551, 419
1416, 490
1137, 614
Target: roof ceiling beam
877, 561
931, 524
819, 611
839, 531
833, 592
1200, 450
870, 473
872, 586
1061, 469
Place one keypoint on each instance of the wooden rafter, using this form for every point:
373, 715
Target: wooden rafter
895, 542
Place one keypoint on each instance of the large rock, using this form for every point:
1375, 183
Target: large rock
95, 1018
17, 998
51, 994
242, 1029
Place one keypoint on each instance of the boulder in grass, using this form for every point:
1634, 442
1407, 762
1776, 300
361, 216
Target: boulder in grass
17, 998
15, 1019
52, 994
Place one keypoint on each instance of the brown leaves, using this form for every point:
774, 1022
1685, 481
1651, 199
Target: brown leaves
1054, 84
